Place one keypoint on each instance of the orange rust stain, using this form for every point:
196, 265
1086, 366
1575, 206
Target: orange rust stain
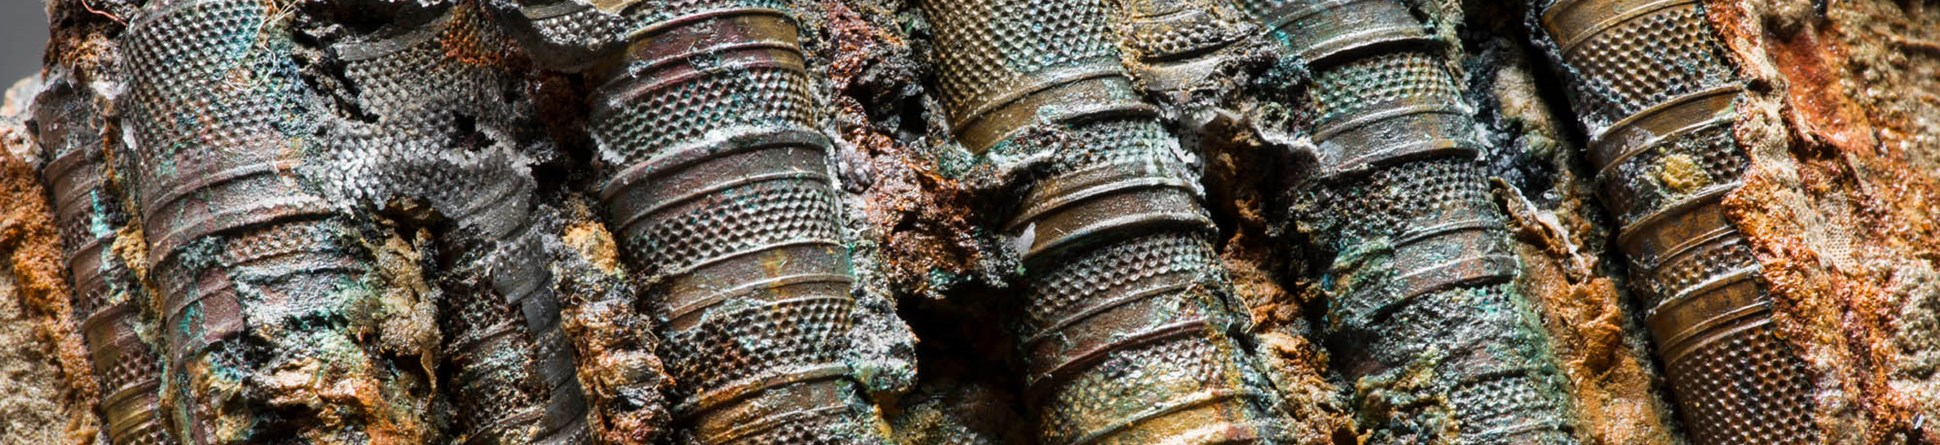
1610, 381
466, 41
32, 247
1846, 181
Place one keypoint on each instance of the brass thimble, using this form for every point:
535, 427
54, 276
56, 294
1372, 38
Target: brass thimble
1422, 259
1652, 85
1125, 328
721, 192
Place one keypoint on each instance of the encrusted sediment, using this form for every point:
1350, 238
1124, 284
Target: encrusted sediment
1128, 318
263, 284
1650, 82
109, 300
1423, 309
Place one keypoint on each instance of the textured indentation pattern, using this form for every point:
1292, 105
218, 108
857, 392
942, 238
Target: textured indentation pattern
1710, 384
1375, 82
1067, 284
1390, 201
710, 106
1645, 61
979, 59
1733, 386
740, 219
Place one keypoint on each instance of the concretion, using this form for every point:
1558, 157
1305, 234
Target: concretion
1127, 326
436, 135
719, 189
259, 277
1422, 277
1650, 82
108, 296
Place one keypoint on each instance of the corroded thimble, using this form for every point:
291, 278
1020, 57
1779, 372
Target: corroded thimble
721, 192
1422, 265
1126, 324
107, 294
1651, 83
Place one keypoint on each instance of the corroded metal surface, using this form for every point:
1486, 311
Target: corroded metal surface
1652, 85
108, 297
1126, 325
720, 190
1172, 41
254, 270
429, 91
1422, 277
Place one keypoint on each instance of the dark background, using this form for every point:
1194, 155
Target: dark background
23, 35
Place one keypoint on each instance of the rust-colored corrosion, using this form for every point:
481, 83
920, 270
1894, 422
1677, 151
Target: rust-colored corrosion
1128, 317
261, 281
108, 296
514, 377
1651, 84
1838, 202
30, 246
1422, 280
719, 189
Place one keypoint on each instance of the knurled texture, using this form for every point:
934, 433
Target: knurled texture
496, 390
767, 213
653, 12
1653, 87
979, 59
1389, 201
1059, 290
1130, 381
792, 334
1640, 185
1646, 60
1174, 29
720, 192
210, 90
1722, 405
716, 102
1371, 83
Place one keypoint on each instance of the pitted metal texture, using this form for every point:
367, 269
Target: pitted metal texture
1652, 85
719, 188
1175, 44
108, 298
252, 266
1422, 273
432, 131
1127, 319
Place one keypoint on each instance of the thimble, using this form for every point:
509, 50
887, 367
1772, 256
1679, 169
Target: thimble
721, 192
1125, 329
1651, 84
